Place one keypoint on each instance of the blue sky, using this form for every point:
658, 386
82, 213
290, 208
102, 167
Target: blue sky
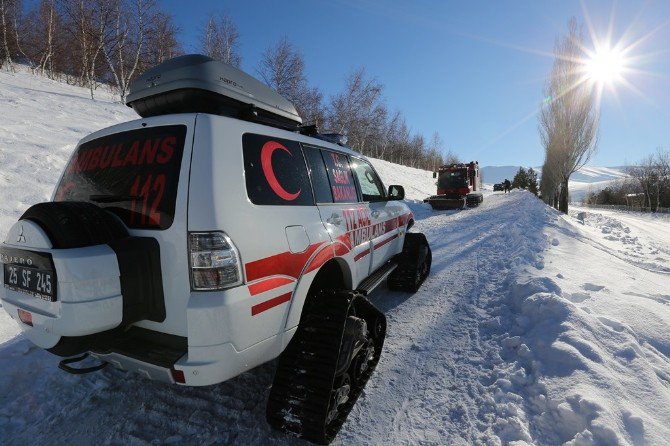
473, 71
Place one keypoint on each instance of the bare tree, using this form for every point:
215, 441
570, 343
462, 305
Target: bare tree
46, 22
451, 158
400, 143
91, 25
569, 118
282, 68
123, 49
652, 175
9, 9
434, 154
162, 43
219, 39
550, 184
416, 151
46, 62
19, 30
358, 109
385, 134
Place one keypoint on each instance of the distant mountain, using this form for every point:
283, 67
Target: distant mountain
587, 178
593, 179
588, 174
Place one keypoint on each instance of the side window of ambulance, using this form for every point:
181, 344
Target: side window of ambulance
341, 180
275, 171
371, 186
319, 175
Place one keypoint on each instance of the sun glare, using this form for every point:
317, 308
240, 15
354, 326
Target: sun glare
605, 66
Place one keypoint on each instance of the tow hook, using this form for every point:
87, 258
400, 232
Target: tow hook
64, 365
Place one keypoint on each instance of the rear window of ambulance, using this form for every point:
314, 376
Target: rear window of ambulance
133, 174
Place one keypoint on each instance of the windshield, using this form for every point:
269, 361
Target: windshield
452, 180
134, 174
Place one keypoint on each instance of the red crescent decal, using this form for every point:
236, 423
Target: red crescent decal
266, 162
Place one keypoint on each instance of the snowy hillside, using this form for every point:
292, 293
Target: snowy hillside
41, 122
531, 329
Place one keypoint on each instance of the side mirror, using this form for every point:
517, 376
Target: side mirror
434, 174
396, 192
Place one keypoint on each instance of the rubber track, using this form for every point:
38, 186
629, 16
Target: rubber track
305, 375
404, 276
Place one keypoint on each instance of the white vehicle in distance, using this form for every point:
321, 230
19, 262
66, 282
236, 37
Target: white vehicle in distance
212, 235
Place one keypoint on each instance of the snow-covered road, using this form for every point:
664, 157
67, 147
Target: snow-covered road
435, 383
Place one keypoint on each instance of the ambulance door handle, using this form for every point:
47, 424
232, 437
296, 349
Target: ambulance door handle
335, 219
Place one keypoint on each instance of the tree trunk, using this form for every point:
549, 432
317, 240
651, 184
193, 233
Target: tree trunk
563, 198
8, 55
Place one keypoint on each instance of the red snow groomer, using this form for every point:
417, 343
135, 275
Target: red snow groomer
458, 185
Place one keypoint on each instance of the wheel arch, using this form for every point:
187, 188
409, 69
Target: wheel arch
335, 274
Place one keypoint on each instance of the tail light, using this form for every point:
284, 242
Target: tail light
178, 376
214, 260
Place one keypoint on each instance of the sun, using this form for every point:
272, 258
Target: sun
605, 66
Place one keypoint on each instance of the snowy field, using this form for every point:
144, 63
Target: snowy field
532, 328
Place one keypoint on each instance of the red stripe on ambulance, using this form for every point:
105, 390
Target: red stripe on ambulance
285, 264
269, 284
264, 306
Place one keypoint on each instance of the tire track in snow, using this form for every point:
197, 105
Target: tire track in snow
434, 384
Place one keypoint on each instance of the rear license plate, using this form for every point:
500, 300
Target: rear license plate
39, 283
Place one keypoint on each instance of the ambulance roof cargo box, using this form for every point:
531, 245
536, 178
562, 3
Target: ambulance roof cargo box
199, 84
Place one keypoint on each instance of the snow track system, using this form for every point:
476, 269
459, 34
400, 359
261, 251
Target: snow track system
447, 202
326, 365
414, 264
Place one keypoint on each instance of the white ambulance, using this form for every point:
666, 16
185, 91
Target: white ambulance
212, 235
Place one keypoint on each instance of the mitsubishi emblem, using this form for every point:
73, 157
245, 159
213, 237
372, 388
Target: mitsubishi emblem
22, 238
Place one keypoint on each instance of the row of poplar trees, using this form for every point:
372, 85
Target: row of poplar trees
94, 43
569, 119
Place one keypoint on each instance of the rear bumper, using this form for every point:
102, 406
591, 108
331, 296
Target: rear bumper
217, 363
72, 319
444, 202
217, 345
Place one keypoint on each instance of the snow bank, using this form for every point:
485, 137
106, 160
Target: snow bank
584, 335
